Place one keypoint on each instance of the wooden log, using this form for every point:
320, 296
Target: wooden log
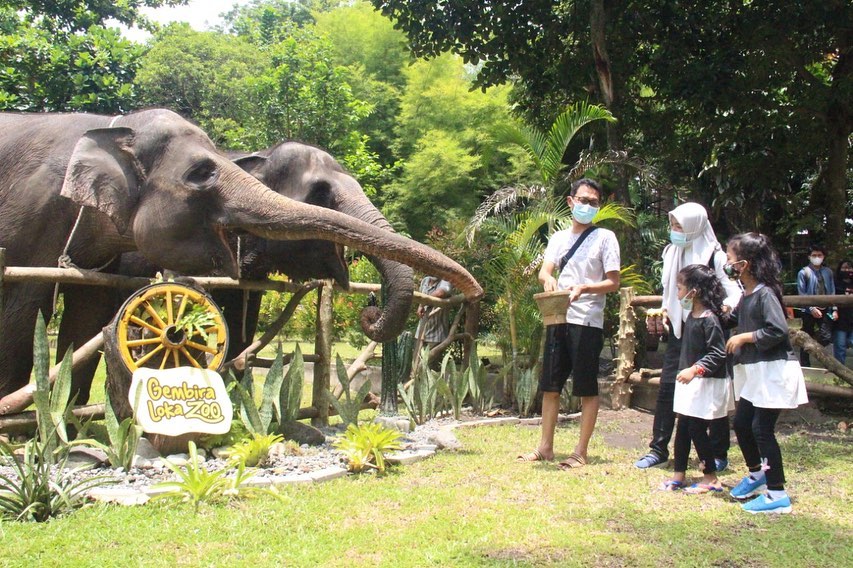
839, 300
816, 389
26, 421
239, 362
323, 350
360, 364
620, 394
266, 362
802, 340
23, 397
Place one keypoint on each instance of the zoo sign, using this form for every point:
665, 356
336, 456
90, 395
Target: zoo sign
180, 400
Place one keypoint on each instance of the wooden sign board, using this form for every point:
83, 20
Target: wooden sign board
180, 400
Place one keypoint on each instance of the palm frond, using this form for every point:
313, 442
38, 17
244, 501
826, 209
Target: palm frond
646, 173
617, 213
500, 202
564, 129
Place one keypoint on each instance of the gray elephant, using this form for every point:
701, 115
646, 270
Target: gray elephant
94, 187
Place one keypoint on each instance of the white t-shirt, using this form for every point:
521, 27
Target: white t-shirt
597, 255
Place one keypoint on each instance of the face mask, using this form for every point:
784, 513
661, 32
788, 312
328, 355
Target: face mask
686, 303
816, 260
730, 270
678, 238
584, 214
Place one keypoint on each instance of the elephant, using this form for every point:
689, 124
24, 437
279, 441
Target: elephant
90, 187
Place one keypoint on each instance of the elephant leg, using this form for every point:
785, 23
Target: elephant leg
240, 336
87, 309
22, 305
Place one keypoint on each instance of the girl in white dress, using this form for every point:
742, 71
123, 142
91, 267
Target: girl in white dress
767, 376
702, 389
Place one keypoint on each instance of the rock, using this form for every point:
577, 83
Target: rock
328, 473
302, 433
401, 423
144, 449
220, 453
85, 457
119, 495
278, 449
842, 426
178, 459
142, 463
406, 458
277, 480
445, 440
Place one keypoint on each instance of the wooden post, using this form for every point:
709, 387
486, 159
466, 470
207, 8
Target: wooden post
472, 331
323, 350
620, 396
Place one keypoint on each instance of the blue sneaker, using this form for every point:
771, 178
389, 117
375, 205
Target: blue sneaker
763, 504
721, 464
651, 460
748, 488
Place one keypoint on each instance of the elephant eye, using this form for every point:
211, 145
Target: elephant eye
203, 174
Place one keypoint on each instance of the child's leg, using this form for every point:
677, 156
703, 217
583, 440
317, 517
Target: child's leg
744, 414
699, 434
682, 452
764, 429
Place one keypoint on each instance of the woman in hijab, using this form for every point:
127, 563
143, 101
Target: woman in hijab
692, 242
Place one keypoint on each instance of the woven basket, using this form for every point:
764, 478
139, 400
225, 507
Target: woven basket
553, 306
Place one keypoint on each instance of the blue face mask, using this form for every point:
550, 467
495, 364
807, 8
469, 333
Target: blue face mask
584, 214
686, 304
678, 238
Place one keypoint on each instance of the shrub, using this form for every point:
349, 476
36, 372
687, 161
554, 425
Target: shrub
365, 446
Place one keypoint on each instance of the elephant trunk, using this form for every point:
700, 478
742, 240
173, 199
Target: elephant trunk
383, 324
267, 214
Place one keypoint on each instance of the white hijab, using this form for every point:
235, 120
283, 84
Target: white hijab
702, 243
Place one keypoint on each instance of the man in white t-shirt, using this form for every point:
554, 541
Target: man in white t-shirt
572, 348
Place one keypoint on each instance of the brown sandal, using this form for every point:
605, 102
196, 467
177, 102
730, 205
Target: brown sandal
574, 461
534, 456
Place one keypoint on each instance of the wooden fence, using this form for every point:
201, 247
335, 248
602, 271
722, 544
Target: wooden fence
14, 420
626, 374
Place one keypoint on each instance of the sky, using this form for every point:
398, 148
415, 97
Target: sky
201, 15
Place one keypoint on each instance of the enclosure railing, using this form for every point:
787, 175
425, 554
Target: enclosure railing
322, 357
626, 339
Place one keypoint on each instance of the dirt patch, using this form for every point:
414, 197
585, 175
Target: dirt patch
627, 429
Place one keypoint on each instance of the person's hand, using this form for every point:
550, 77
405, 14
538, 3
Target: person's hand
684, 376
736, 341
816, 313
549, 284
727, 309
421, 311
575, 292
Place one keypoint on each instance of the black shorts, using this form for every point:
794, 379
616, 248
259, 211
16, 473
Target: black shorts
571, 349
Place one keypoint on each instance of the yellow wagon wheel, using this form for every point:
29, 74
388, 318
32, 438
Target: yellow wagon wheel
170, 325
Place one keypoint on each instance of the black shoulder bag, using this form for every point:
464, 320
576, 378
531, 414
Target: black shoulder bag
587, 232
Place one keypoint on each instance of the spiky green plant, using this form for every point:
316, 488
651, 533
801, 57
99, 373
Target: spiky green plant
290, 392
255, 450
347, 406
455, 384
366, 445
480, 394
52, 404
38, 491
422, 398
195, 484
282, 394
123, 438
525, 389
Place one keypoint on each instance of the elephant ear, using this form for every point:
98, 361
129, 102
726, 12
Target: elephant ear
253, 165
104, 174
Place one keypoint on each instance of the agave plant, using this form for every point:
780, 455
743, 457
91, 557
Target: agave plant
366, 446
255, 450
195, 484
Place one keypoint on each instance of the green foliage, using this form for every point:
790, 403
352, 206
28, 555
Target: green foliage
124, 437
480, 392
366, 446
38, 491
347, 406
454, 387
422, 398
525, 389
195, 484
290, 394
195, 320
52, 404
255, 450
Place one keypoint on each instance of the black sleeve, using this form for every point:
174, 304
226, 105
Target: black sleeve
774, 327
715, 346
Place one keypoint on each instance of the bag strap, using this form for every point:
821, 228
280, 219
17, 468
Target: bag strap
588, 231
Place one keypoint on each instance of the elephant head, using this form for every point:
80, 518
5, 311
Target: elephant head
164, 185
310, 175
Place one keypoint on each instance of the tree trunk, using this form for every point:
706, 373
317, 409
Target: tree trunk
607, 89
839, 126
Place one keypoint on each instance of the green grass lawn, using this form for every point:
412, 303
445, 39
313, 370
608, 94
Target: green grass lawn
478, 507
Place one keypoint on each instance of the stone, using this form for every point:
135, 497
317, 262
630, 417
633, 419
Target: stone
118, 495
144, 449
142, 463
425, 447
256, 482
84, 457
277, 480
489, 422
178, 459
328, 474
220, 453
401, 423
445, 440
303, 434
155, 490
406, 458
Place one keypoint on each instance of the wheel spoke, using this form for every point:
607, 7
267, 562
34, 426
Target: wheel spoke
154, 315
142, 360
182, 307
176, 358
193, 362
140, 342
201, 347
146, 325
165, 358
169, 314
